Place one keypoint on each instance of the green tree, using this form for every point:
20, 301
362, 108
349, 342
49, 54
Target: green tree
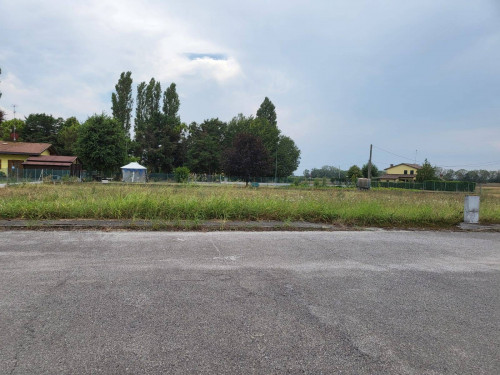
41, 128
7, 128
260, 127
268, 133
204, 151
101, 144
426, 173
483, 176
288, 156
171, 104
267, 111
147, 124
158, 130
172, 129
374, 171
238, 124
122, 101
247, 158
354, 172
328, 171
68, 136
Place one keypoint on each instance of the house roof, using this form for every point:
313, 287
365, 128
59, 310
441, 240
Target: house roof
50, 160
23, 148
416, 166
396, 176
48, 164
53, 158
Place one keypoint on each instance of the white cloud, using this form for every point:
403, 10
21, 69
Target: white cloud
341, 74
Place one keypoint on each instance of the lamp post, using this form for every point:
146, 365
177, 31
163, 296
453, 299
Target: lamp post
276, 169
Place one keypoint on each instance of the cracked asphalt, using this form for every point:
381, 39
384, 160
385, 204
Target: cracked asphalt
382, 302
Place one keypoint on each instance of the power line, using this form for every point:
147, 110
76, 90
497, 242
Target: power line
392, 153
470, 165
484, 164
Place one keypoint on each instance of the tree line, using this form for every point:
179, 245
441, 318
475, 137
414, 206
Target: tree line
426, 173
247, 146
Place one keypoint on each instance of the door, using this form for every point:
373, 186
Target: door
15, 168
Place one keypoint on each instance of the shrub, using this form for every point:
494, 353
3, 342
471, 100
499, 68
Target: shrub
181, 174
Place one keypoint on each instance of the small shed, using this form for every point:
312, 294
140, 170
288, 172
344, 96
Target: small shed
133, 172
51, 163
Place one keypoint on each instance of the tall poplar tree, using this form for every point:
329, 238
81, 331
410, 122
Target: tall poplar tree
267, 111
171, 131
122, 101
148, 121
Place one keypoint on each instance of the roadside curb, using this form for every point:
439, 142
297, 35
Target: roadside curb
159, 225
211, 225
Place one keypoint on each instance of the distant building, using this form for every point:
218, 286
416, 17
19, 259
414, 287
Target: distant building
15, 157
400, 173
55, 162
14, 154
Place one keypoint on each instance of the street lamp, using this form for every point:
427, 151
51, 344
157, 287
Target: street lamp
276, 169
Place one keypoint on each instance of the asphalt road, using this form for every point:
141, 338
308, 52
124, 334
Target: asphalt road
249, 303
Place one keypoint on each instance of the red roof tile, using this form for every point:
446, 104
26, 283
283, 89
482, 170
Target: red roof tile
53, 158
48, 164
23, 148
416, 166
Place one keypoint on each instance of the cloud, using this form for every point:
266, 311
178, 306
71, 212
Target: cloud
342, 75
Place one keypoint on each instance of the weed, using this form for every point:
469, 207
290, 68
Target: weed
195, 203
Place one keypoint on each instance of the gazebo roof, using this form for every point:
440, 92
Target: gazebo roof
133, 165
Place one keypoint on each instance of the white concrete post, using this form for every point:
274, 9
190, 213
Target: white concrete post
471, 209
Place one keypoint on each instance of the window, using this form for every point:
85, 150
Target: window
406, 171
411, 171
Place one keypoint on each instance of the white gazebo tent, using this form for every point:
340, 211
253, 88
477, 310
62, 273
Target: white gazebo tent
133, 172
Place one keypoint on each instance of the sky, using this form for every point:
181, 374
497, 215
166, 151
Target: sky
417, 79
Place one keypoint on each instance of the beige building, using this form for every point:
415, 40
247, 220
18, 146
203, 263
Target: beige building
14, 154
400, 173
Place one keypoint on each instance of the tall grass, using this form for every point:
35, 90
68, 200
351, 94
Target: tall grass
378, 207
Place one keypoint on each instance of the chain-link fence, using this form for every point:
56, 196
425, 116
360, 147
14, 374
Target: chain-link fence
20, 175
462, 186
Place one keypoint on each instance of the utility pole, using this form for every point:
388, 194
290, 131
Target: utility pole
370, 163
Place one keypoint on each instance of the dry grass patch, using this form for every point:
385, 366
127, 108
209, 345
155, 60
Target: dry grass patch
378, 207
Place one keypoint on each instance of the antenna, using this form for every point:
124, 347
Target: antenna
416, 156
14, 106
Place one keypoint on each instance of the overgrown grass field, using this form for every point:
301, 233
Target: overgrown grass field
378, 207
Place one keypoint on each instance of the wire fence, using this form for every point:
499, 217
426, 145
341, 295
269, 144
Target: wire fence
56, 175
33, 175
457, 186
